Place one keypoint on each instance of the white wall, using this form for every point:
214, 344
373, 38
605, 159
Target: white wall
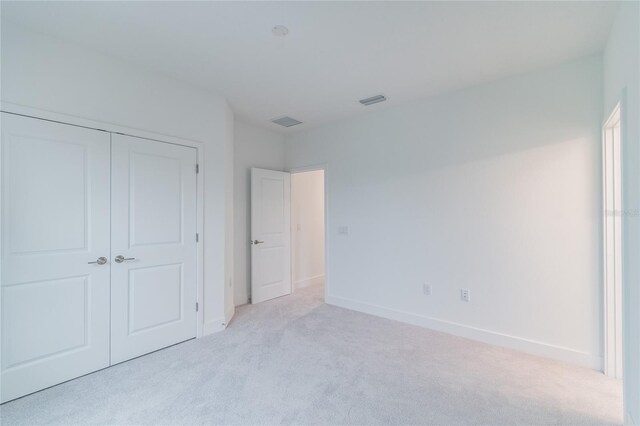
42, 73
229, 189
622, 75
307, 228
496, 189
254, 147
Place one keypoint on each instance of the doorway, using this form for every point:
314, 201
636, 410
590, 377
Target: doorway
308, 231
612, 199
288, 232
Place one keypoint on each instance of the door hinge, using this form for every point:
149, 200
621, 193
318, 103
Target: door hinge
196, 306
197, 168
197, 237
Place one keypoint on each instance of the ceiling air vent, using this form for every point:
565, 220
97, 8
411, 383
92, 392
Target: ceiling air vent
286, 121
373, 100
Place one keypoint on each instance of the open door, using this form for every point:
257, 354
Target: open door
270, 234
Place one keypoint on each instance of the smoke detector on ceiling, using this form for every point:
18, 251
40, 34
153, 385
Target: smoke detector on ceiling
279, 31
373, 100
286, 121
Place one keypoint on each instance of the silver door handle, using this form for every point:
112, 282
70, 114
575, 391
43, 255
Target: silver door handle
100, 261
120, 258
256, 242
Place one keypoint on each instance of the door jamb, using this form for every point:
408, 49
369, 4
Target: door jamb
611, 308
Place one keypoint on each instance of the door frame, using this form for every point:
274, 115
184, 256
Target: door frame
613, 309
312, 168
40, 114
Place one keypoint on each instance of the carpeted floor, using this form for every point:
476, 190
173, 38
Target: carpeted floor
295, 360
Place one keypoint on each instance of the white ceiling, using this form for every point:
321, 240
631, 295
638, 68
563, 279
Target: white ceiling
335, 53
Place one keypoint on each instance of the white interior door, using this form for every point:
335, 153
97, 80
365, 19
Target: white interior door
270, 234
55, 223
153, 290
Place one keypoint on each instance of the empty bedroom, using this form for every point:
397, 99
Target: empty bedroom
320, 212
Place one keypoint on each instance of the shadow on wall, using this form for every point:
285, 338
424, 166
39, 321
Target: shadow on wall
496, 189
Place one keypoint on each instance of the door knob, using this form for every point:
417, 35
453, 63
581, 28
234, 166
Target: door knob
120, 258
100, 261
256, 242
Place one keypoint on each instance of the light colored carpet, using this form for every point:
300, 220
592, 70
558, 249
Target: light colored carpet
295, 360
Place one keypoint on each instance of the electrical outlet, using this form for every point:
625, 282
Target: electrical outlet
426, 289
465, 295
343, 230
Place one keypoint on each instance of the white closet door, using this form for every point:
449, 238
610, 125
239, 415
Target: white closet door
55, 221
153, 290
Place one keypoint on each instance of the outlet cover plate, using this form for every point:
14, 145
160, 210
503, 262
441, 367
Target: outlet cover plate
465, 295
426, 289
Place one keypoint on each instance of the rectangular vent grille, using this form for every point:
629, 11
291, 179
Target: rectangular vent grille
373, 100
286, 121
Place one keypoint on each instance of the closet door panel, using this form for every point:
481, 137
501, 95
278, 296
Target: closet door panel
55, 221
153, 232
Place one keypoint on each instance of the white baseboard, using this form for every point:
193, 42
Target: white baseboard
243, 300
229, 314
318, 279
214, 326
486, 336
